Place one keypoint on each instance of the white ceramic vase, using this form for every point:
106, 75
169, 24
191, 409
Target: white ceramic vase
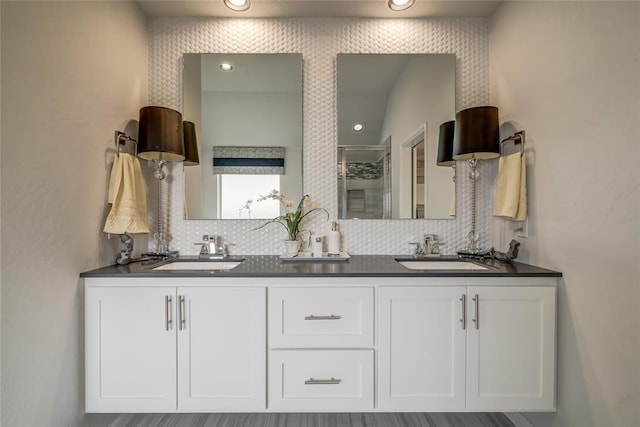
291, 247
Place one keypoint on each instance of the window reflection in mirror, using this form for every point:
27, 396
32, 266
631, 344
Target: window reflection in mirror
237, 196
255, 107
400, 100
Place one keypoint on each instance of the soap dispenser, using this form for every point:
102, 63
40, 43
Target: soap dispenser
316, 247
333, 240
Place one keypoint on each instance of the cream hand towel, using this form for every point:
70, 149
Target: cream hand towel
128, 197
511, 188
452, 205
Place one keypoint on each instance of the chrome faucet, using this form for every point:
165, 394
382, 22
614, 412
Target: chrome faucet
213, 248
428, 247
431, 244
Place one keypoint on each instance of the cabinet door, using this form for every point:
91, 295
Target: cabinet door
130, 350
421, 347
511, 348
221, 349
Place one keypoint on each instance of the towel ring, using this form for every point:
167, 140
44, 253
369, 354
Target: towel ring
121, 139
517, 138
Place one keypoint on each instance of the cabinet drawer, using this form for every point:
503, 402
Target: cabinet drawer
320, 317
321, 380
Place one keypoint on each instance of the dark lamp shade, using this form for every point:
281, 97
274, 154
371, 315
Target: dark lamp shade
445, 144
191, 157
160, 134
476, 134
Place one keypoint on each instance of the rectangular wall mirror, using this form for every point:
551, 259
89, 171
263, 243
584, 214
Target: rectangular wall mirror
390, 108
248, 123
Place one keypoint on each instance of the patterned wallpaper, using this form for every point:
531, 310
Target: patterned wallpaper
320, 40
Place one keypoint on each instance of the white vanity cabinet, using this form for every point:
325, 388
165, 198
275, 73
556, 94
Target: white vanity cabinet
130, 350
221, 349
321, 355
485, 348
167, 348
421, 348
511, 348
320, 344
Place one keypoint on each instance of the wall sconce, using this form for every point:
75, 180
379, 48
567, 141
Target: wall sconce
160, 138
445, 157
445, 144
476, 137
191, 157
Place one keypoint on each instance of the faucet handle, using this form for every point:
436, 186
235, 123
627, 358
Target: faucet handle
418, 250
432, 244
204, 250
226, 246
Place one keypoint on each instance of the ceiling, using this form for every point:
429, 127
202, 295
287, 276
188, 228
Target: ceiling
269, 72
318, 8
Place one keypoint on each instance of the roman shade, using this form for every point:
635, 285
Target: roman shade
248, 160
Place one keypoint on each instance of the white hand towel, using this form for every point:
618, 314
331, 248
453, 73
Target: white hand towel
128, 197
511, 188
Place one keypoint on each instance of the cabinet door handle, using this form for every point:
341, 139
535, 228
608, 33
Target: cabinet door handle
476, 320
181, 311
312, 381
463, 299
167, 312
330, 317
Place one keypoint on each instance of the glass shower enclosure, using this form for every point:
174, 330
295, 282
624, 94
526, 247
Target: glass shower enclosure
364, 183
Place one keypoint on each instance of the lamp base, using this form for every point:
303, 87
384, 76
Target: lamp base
124, 257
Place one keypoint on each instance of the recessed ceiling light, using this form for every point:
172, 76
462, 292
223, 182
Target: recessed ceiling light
225, 66
358, 127
237, 5
400, 4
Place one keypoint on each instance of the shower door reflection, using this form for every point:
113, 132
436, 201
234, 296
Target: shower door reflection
364, 190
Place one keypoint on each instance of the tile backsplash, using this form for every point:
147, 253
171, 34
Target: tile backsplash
320, 40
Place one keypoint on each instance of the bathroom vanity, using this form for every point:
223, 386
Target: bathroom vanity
366, 335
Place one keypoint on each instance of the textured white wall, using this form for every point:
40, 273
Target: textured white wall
320, 40
72, 73
567, 73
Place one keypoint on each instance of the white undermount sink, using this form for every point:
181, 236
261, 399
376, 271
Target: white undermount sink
199, 265
440, 265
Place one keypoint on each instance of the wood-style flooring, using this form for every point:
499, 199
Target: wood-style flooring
314, 420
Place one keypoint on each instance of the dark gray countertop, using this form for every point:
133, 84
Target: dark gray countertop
356, 266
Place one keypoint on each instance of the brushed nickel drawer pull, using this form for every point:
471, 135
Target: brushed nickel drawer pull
476, 300
167, 312
312, 381
463, 298
330, 317
182, 311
